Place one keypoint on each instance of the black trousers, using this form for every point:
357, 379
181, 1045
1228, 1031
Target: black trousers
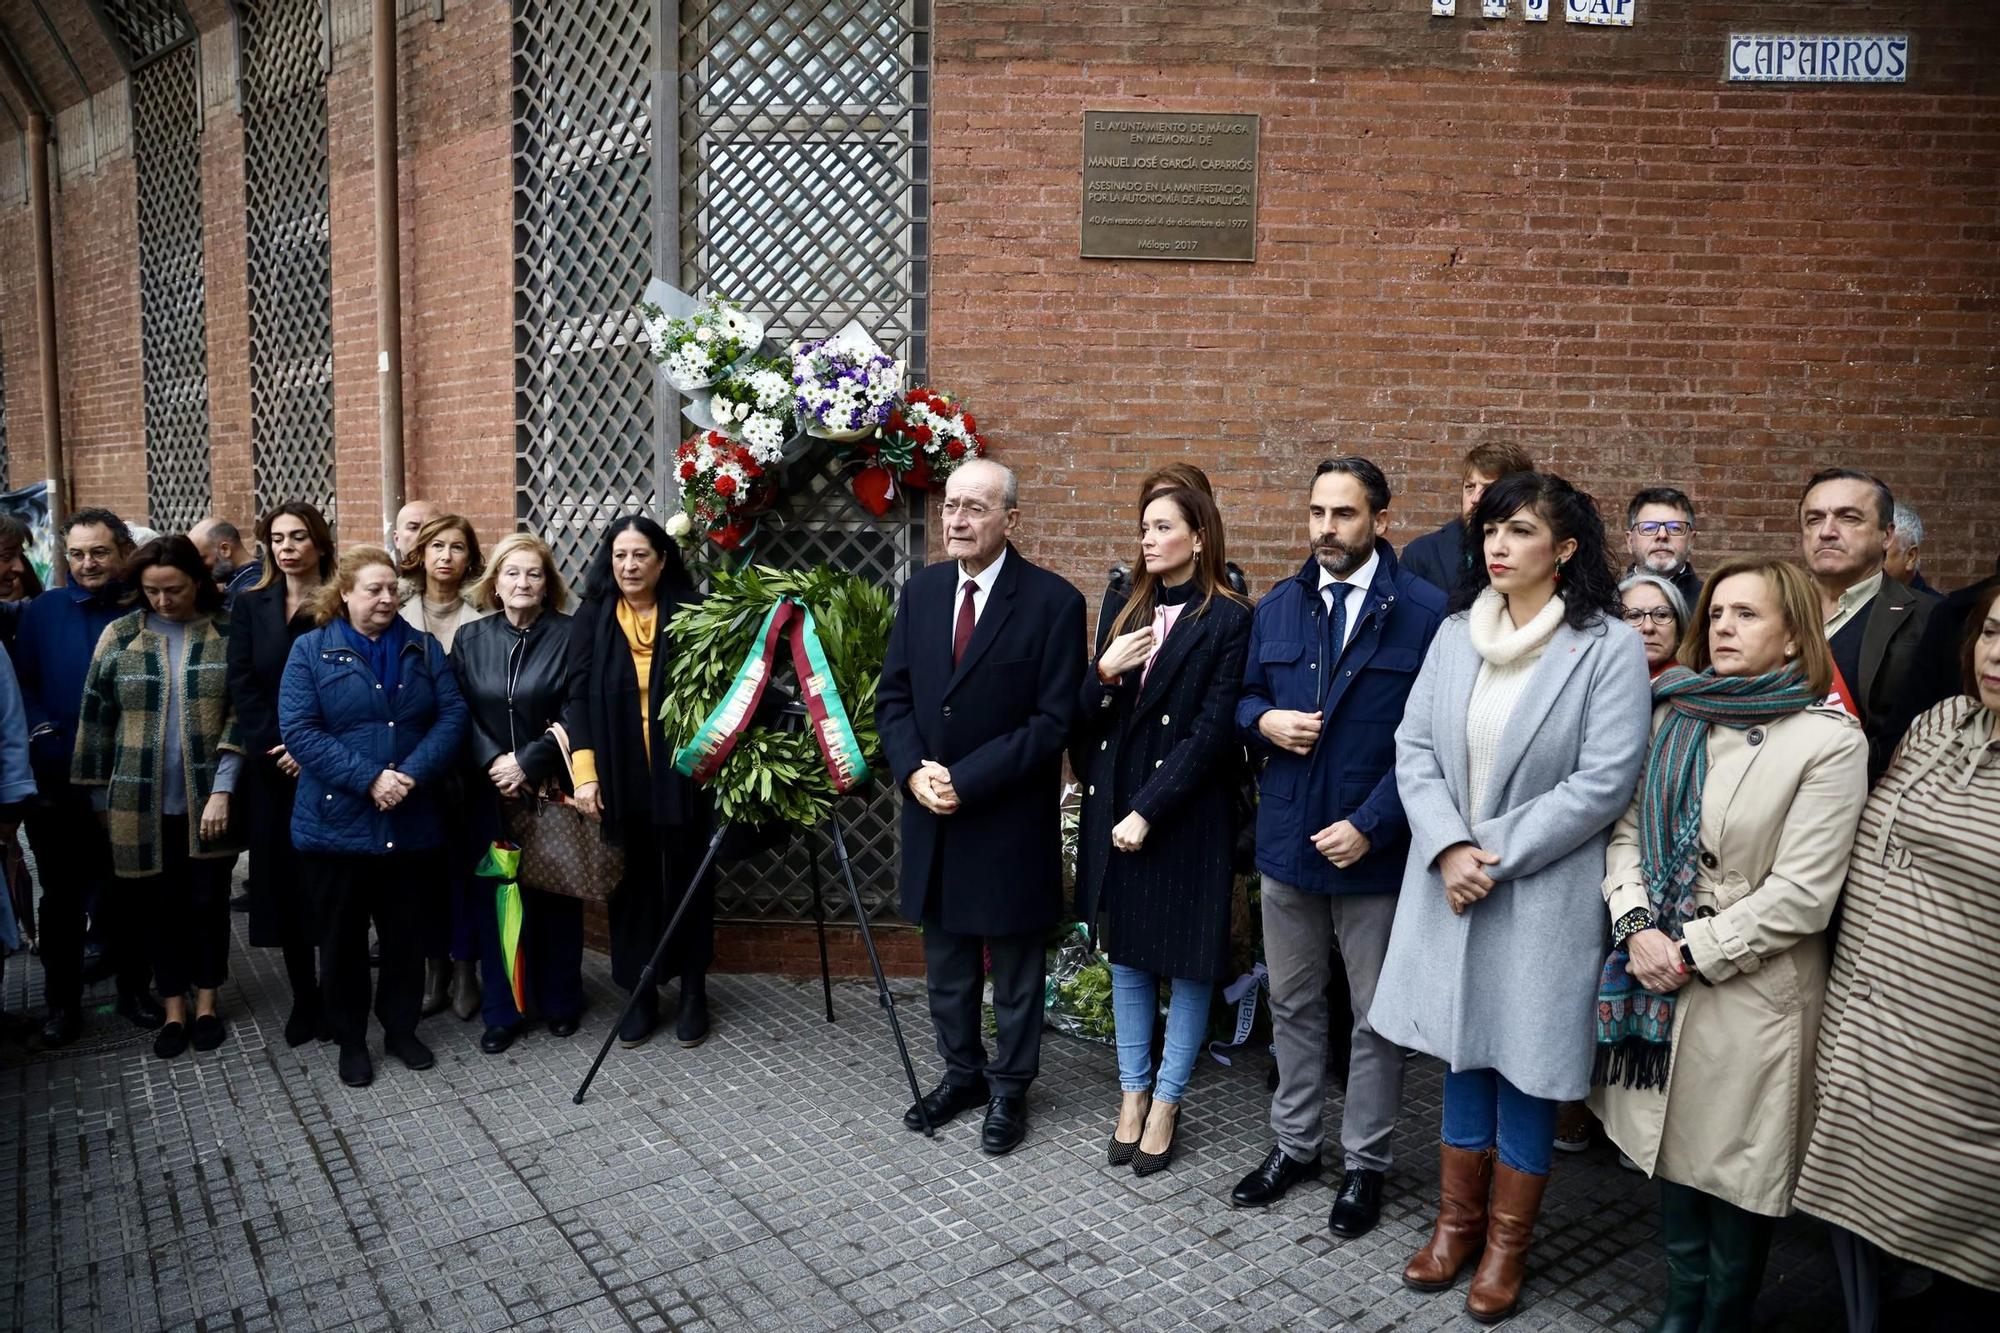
187, 914
73, 863
956, 969
349, 892
644, 901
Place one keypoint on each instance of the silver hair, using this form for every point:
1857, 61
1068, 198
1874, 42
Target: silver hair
1675, 601
1907, 525
1010, 485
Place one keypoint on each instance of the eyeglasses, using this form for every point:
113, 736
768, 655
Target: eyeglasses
1636, 616
1674, 527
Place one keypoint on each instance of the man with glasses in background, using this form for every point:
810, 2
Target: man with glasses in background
1659, 536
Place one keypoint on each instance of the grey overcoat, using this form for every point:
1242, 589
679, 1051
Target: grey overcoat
1512, 984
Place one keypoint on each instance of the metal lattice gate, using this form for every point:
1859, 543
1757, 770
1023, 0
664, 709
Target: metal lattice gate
6, 477
800, 184
588, 428
804, 187
285, 186
156, 40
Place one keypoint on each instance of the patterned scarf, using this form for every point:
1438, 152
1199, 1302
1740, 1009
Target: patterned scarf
1635, 1027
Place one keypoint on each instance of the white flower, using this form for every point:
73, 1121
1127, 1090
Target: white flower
680, 525
765, 437
703, 333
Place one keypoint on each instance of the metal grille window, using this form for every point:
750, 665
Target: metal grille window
285, 186
6, 477
155, 40
799, 185
589, 443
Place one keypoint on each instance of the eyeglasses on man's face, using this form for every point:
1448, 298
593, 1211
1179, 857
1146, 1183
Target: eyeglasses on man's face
1636, 616
1673, 527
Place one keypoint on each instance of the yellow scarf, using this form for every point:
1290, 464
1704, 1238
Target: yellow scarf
641, 628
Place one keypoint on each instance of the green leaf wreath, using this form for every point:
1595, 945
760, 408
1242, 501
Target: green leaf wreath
772, 774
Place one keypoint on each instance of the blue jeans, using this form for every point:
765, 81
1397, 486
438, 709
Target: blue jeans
1482, 1108
1135, 999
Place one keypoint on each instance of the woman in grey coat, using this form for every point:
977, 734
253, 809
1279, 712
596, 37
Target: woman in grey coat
1520, 747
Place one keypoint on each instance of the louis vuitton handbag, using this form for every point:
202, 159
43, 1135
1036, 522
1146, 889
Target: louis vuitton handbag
561, 851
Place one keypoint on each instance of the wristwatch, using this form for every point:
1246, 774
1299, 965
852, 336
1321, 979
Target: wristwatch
1687, 957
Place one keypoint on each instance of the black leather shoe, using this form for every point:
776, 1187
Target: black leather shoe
637, 1029
495, 1040
1006, 1125
691, 1027
302, 1024
1358, 1206
946, 1102
61, 1027
562, 1027
356, 1069
1268, 1183
142, 1011
412, 1052
208, 1032
171, 1040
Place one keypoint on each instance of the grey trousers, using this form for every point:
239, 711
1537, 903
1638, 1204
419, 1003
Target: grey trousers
1300, 930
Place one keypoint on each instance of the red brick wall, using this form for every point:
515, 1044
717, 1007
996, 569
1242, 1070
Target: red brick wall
1577, 239
96, 230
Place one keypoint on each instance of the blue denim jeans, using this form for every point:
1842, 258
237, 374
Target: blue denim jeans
1482, 1109
1135, 999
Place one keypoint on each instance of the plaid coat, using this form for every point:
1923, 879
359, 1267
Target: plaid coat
120, 741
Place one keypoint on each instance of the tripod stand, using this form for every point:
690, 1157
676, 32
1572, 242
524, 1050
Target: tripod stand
791, 716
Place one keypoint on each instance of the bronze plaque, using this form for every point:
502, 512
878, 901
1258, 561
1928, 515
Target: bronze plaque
1169, 185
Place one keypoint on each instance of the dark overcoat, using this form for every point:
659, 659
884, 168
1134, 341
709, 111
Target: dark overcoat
1163, 749
602, 715
259, 642
998, 721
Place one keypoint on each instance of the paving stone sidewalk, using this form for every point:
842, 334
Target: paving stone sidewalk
761, 1181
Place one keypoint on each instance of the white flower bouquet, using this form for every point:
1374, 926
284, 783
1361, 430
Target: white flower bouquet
697, 344
754, 404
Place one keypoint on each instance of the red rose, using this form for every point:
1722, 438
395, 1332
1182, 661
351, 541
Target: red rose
954, 450
751, 469
687, 469
970, 429
725, 485
922, 434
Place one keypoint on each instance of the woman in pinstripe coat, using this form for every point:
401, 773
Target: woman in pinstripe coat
1154, 870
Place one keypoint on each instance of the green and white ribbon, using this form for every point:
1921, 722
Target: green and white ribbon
703, 756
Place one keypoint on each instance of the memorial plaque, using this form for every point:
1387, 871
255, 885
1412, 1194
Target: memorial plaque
1169, 185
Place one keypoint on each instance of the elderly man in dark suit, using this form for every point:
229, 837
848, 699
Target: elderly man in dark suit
979, 687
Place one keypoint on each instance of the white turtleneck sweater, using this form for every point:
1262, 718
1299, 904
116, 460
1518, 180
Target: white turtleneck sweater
1508, 658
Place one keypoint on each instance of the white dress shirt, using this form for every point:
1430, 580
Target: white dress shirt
1356, 586
982, 584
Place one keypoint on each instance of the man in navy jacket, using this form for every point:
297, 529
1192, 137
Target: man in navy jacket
979, 686
1333, 653
52, 649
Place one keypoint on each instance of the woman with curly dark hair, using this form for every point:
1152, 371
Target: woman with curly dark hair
1519, 748
621, 657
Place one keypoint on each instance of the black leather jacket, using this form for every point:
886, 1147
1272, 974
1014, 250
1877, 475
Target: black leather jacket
514, 683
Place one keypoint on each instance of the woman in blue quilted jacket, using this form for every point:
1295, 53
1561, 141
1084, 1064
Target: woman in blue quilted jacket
370, 709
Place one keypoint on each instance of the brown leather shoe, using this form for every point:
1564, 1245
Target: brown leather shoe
1464, 1178
1496, 1287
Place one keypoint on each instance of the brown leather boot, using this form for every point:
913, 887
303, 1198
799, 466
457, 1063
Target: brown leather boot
1463, 1180
1496, 1287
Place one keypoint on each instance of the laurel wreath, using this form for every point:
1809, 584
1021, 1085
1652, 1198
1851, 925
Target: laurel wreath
774, 774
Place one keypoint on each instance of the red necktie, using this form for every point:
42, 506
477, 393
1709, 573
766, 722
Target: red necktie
961, 633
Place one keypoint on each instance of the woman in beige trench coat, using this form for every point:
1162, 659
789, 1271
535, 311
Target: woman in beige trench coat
1720, 880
